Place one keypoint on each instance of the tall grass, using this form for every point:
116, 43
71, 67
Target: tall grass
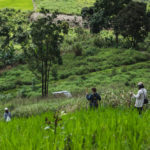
105, 129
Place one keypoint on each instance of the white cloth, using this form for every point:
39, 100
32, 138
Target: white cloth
141, 95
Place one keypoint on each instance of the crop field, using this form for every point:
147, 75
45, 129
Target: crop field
105, 128
64, 6
17, 4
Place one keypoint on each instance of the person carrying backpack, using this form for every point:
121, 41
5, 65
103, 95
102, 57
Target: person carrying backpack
93, 98
141, 97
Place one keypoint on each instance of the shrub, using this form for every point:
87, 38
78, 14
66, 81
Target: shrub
6, 97
79, 30
113, 72
54, 73
64, 75
145, 45
91, 51
98, 42
124, 69
23, 93
77, 48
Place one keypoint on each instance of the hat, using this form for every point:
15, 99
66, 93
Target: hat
140, 83
6, 108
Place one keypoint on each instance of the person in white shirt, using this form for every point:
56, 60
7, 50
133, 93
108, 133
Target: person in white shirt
7, 115
140, 96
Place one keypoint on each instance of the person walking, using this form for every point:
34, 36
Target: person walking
140, 97
7, 115
93, 98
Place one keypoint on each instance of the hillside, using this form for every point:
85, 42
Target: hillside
98, 66
62, 6
100, 54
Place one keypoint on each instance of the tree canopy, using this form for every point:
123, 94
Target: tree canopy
133, 22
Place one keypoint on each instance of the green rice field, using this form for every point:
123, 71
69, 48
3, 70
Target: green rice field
17, 4
103, 129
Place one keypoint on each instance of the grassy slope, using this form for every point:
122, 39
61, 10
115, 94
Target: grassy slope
113, 71
64, 6
106, 128
96, 67
68, 6
17, 4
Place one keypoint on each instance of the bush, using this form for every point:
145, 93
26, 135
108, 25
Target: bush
124, 69
54, 73
113, 72
6, 97
23, 93
103, 42
91, 51
145, 46
98, 42
79, 30
64, 75
77, 49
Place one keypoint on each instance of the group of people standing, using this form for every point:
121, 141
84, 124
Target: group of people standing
95, 98
141, 98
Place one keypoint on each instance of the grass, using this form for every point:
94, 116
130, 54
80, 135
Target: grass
64, 6
98, 66
68, 6
105, 128
17, 4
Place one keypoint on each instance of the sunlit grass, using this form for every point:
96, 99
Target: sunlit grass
64, 6
17, 4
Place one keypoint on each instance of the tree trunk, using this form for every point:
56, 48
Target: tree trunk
48, 70
42, 79
46, 78
117, 40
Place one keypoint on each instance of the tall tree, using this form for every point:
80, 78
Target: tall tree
41, 44
102, 14
10, 21
133, 22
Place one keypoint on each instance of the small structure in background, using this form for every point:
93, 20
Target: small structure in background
62, 93
7, 115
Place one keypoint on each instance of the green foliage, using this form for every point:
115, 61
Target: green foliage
145, 46
77, 49
42, 46
54, 73
102, 14
10, 22
133, 22
76, 131
94, 65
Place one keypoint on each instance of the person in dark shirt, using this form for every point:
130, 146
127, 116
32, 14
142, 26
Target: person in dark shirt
93, 98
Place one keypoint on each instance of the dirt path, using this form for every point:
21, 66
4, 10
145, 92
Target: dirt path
34, 5
73, 20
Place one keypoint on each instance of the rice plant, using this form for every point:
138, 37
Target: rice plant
106, 128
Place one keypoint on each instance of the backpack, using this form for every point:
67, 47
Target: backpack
145, 99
